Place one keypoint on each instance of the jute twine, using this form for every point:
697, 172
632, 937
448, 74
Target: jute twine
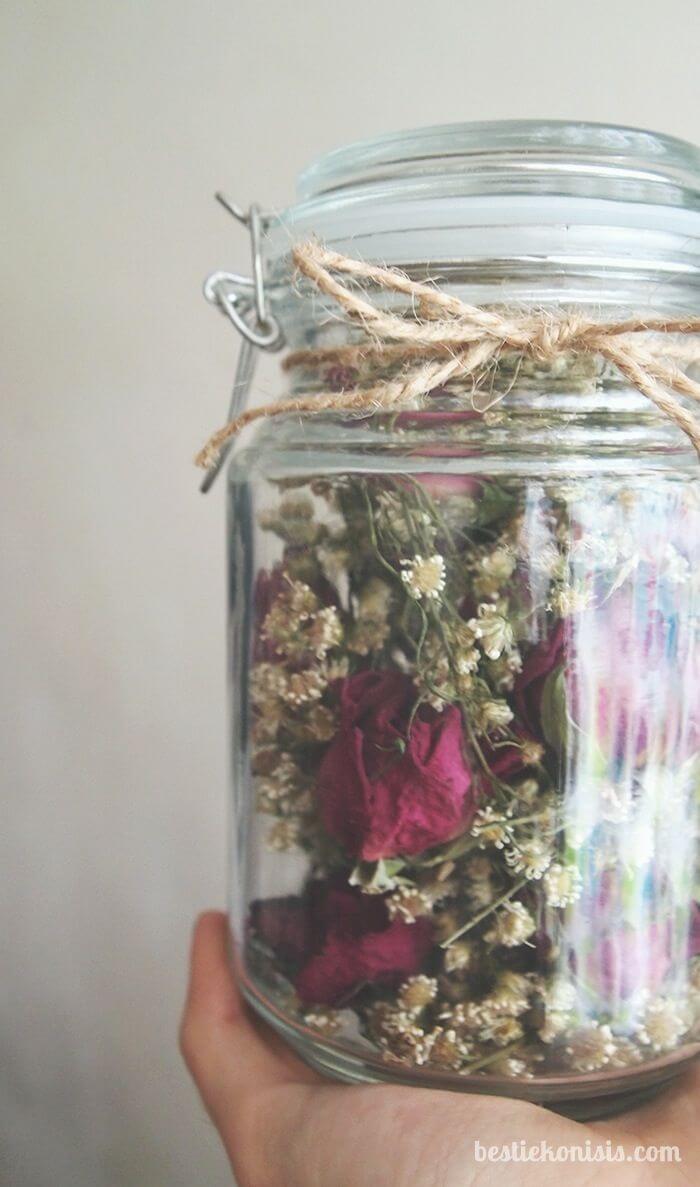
441, 339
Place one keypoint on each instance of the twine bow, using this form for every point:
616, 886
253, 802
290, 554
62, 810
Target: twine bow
446, 339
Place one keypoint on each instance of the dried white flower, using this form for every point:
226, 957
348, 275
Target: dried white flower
400, 1036
532, 752
510, 1065
491, 828
500, 563
627, 1053
416, 993
559, 995
492, 629
513, 924
492, 714
268, 682
458, 956
502, 1031
530, 858
326, 631
568, 600
326, 1022
464, 1017
562, 884
547, 560
374, 600
409, 903
424, 577
306, 686
510, 995
448, 1048
590, 1047
662, 1024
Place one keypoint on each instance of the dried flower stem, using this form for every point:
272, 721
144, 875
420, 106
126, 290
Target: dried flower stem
476, 919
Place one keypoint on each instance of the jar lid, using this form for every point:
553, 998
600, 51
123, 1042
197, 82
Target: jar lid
539, 188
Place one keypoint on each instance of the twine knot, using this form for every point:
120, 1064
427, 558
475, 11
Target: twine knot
442, 338
550, 336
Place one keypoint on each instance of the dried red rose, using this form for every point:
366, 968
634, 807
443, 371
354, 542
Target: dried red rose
361, 946
383, 789
334, 939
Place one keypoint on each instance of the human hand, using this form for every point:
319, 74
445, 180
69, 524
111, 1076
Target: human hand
284, 1126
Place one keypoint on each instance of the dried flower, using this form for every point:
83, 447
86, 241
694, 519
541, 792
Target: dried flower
416, 993
511, 1065
409, 903
384, 790
360, 945
424, 577
511, 994
317, 725
464, 1017
562, 884
513, 924
385, 713
458, 956
268, 683
530, 858
502, 1031
325, 632
447, 1048
491, 828
662, 1024
559, 995
532, 752
401, 1037
492, 629
627, 1053
590, 1047
504, 670
568, 600
492, 715
305, 686
326, 1022
367, 636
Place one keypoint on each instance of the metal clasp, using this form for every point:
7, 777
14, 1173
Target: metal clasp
244, 302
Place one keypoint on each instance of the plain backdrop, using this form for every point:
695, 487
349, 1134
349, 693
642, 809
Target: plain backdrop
120, 119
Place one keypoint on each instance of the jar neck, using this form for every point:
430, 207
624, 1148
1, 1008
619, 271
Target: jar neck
506, 213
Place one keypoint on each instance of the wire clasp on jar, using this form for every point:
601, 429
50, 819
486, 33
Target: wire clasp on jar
244, 302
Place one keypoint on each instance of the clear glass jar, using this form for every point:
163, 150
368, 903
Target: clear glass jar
464, 648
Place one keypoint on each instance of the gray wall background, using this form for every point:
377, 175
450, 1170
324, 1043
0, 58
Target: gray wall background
120, 119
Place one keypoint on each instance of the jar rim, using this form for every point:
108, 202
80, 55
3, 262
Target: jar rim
554, 157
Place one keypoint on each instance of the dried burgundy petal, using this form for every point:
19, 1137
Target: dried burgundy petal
382, 792
346, 962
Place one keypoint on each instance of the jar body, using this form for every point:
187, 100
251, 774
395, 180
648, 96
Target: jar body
466, 715
464, 648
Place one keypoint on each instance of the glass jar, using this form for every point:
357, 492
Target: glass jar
464, 646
